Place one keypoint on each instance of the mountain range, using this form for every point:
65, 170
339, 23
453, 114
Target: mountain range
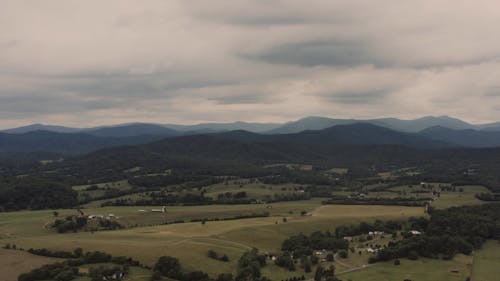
426, 132
307, 123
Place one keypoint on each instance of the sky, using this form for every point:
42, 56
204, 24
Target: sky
93, 62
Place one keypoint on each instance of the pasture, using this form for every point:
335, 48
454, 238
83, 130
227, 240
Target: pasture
190, 242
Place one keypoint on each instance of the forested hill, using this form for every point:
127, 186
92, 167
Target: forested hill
364, 146
67, 143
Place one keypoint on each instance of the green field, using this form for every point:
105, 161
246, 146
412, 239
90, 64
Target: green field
453, 199
486, 262
147, 236
190, 242
255, 190
419, 270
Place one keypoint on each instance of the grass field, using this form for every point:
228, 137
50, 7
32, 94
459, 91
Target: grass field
453, 199
487, 262
14, 262
190, 242
257, 191
419, 270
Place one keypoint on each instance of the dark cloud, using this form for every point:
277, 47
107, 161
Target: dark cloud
334, 52
358, 97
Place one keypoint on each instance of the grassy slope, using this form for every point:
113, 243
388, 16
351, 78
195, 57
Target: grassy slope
13, 263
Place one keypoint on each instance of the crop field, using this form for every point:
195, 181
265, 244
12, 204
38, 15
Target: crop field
13, 263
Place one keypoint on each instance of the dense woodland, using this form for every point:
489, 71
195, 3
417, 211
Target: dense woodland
193, 162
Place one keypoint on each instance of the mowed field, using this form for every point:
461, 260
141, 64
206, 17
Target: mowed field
13, 263
190, 242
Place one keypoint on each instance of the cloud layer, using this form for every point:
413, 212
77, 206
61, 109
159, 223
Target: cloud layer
84, 63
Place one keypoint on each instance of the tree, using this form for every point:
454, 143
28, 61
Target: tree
412, 255
225, 277
212, 254
78, 252
168, 266
319, 273
329, 257
343, 254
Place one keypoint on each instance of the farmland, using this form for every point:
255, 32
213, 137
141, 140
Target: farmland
274, 212
191, 241
148, 235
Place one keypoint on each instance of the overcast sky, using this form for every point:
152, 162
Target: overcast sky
93, 62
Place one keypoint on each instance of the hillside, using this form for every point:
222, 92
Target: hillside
466, 138
68, 143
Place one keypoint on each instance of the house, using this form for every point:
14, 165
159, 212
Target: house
371, 250
348, 238
162, 210
415, 232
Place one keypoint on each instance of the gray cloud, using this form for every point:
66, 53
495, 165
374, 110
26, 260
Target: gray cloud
190, 61
333, 52
358, 98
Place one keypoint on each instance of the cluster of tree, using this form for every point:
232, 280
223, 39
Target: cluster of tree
398, 201
323, 274
171, 267
303, 245
68, 270
160, 198
233, 198
77, 253
389, 227
214, 255
289, 197
488, 196
108, 194
116, 272
295, 278
174, 179
249, 266
448, 232
70, 223
56, 271
300, 177
74, 223
35, 193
